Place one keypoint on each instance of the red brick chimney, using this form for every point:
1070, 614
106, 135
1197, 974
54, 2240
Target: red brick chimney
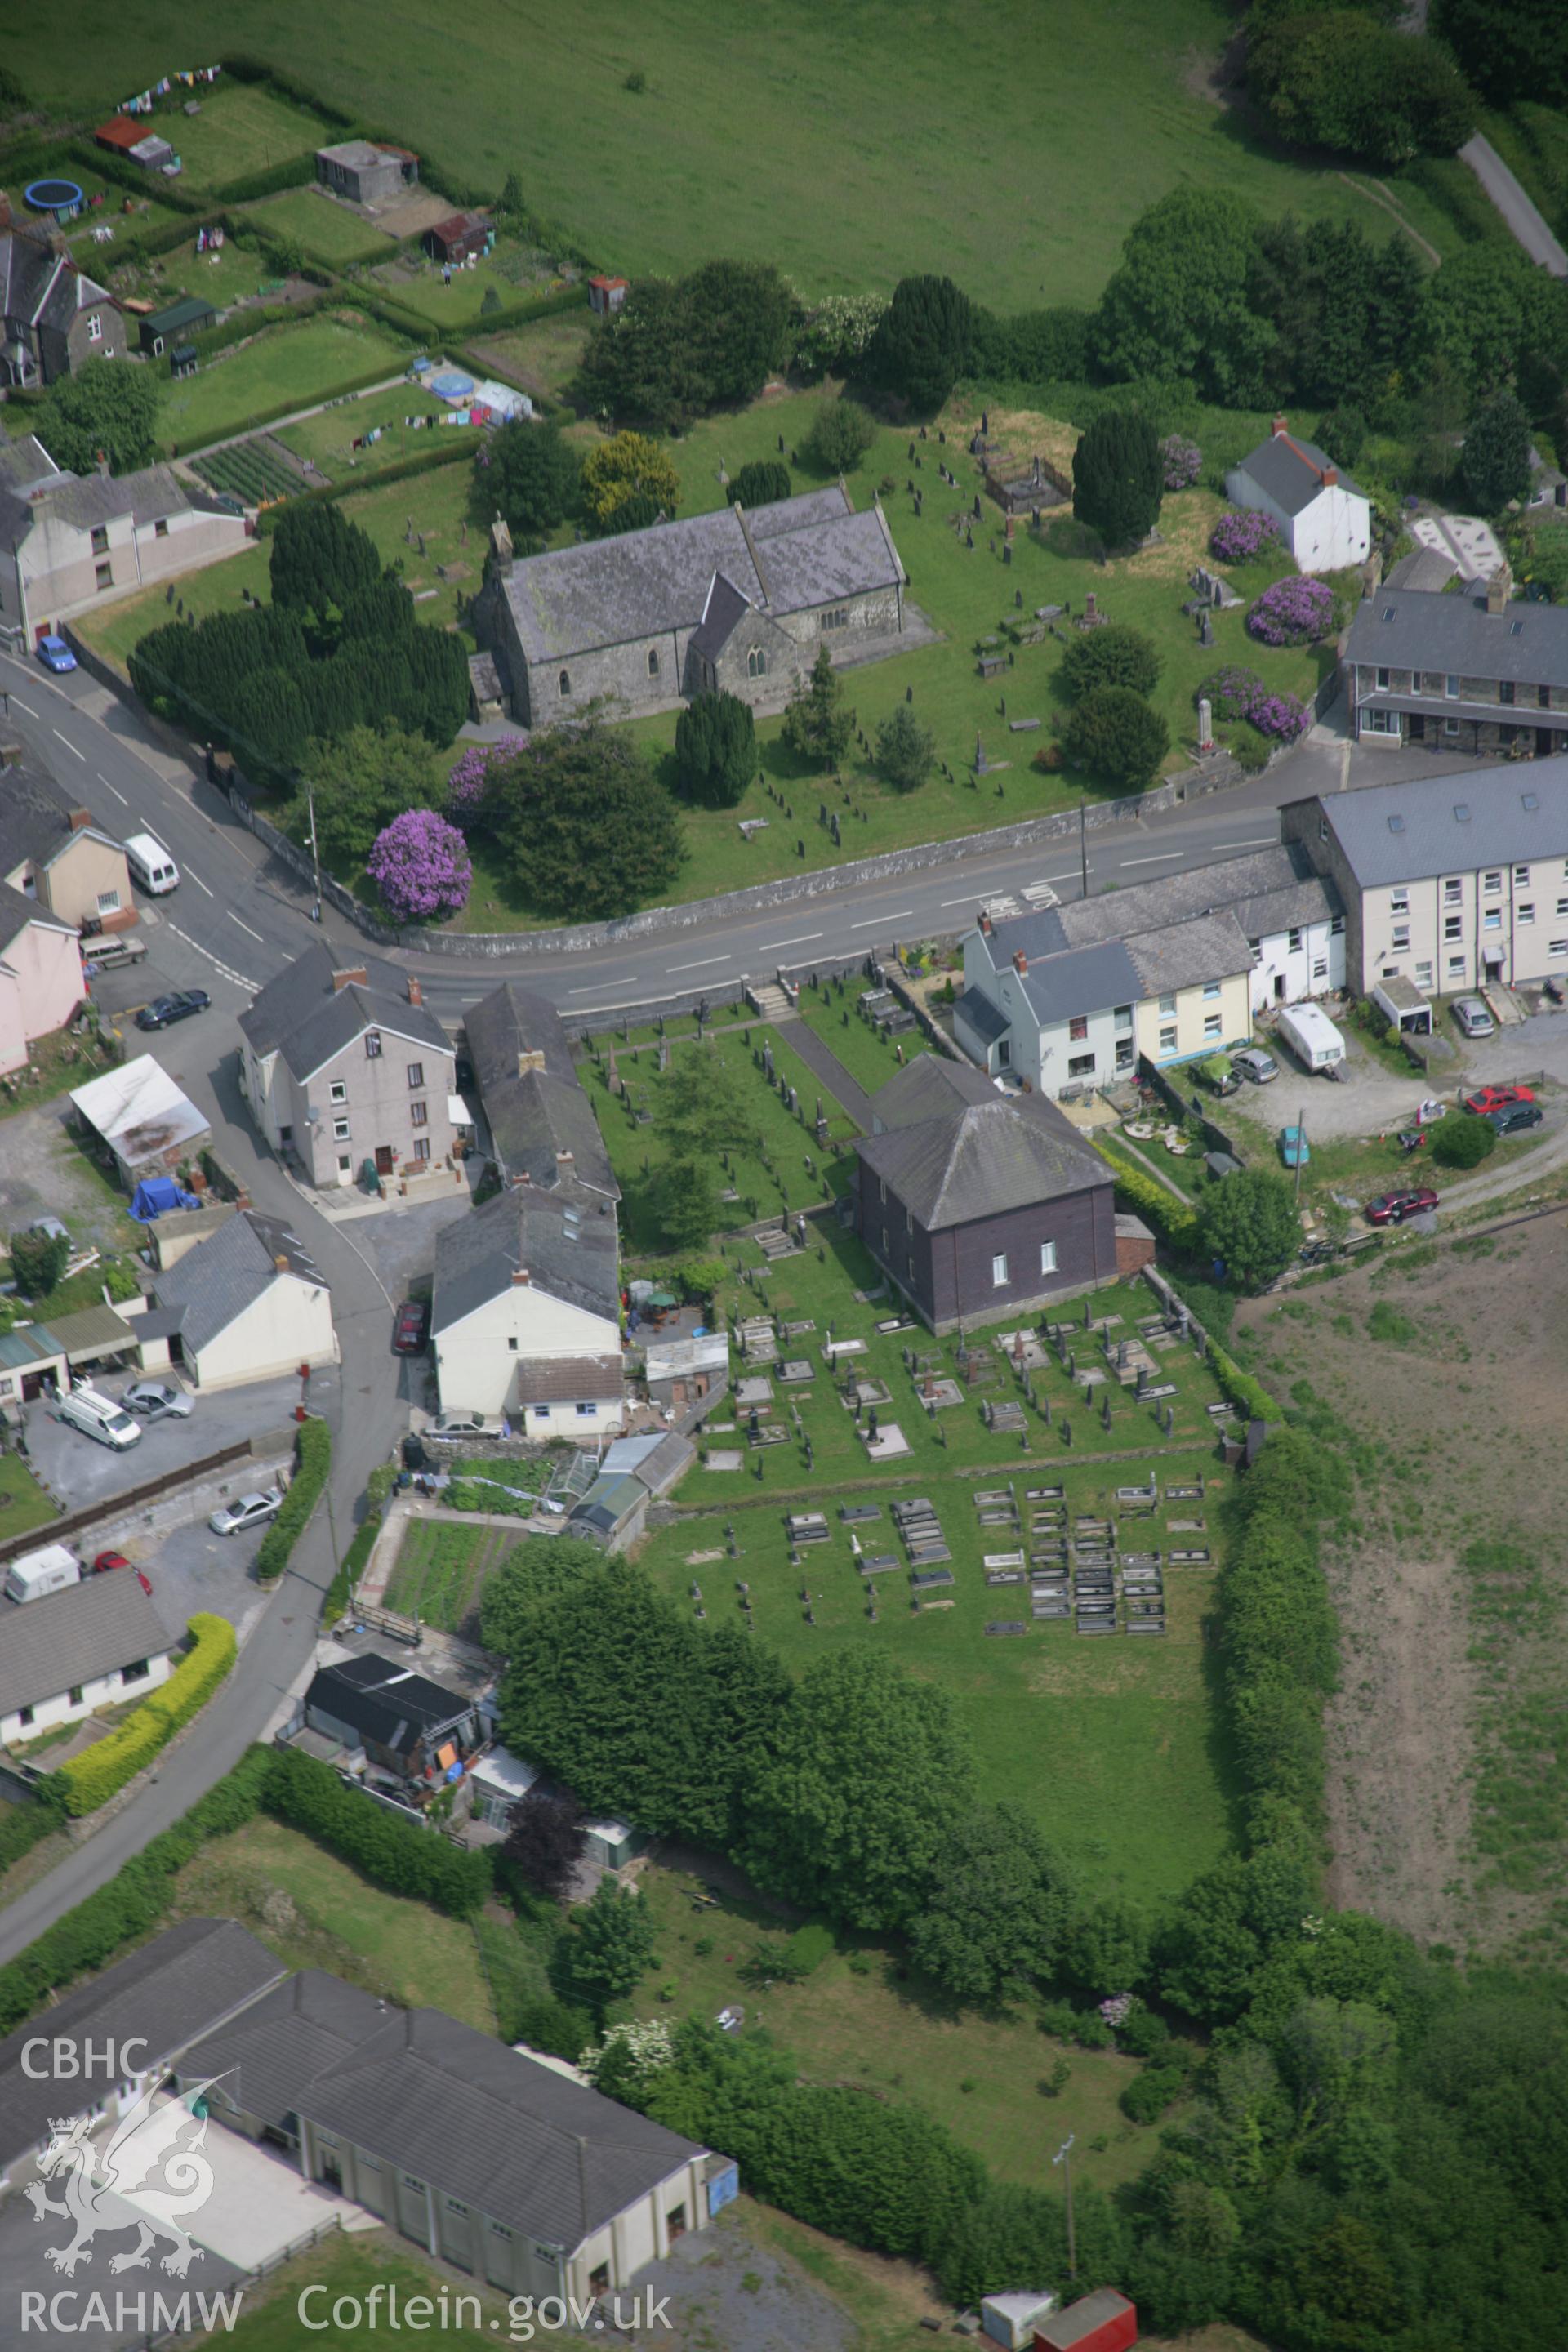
566, 1161
1278, 428
355, 976
416, 993
79, 819
1331, 475
1020, 961
985, 922
519, 1278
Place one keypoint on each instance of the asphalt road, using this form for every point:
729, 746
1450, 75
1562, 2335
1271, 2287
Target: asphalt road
1522, 217
237, 918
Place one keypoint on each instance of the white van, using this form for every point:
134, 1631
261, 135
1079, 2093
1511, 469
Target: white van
50, 1569
151, 867
1312, 1036
98, 1416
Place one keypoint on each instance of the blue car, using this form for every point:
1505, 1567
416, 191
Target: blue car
1294, 1149
56, 654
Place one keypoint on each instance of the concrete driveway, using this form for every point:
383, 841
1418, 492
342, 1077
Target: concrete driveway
82, 1471
25, 2270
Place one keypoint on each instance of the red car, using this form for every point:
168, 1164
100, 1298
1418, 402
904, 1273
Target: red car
107, 1560
1393, 1208
411, 1331
1486, 1098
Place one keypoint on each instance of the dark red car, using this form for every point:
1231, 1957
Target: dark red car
107, 1560
1489, 1098
1393, 1208
411, 1332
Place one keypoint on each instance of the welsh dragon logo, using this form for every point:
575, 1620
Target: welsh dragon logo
142, 2158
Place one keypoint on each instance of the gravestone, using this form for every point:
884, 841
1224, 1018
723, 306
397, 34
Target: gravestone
1206, 724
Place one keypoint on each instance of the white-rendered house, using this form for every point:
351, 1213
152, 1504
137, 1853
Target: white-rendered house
1322, 518
526, 1316
96, 1643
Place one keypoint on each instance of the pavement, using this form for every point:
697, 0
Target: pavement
1522, 217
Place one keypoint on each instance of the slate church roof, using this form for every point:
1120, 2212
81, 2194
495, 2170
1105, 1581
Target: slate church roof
984, 1159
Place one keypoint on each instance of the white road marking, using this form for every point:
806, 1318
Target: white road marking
69, 745
108, 787
246, 928
1160, 858
702, 964
1261, 840
970, 898
805, 938
202, 885
898, 915
23, 706
630, 981
239, 979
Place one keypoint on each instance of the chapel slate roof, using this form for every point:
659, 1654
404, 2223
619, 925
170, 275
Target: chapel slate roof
1416, 629
302, 1016
526, 2146
607, 591
931, 1086
986, 1160
75, 1635
264, 2060
1403, 832
534, 1115
722, 614
213, 1284
568, 1249
1291, 471
166, 1992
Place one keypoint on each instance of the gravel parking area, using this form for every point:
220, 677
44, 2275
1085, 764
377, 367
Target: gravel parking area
41, 1174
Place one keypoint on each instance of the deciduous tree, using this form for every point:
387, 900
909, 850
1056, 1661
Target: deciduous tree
1252, 1223
1496, 458
545, 1837
1180, 302
841, 432
995, 1909
606, 1948
583, 823
626, 464
108, 408
533, 476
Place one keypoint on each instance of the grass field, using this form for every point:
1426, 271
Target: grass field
242, 128
220, 278
851, 145
327, 230
512, 273
346, 2270
299, 363
331, 1918
869, 1059
328, 438
24, 1505
637, 1154
542, 358
898, 2039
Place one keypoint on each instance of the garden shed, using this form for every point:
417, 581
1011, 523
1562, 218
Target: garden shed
175, 323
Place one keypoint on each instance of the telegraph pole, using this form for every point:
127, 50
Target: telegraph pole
1300, 1149
1083, 839
315, 855
1064, 2157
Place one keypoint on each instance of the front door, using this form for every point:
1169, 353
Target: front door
1280, 988
384, 1159
1545, 742
1417, 726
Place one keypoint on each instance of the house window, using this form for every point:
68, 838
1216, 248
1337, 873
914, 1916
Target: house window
339, 1130
1048, 1257
100, 539
756, 663
541, 1412
75, 1695
416, 1074
1451, 726
372, 1044
410, 2182
1320, 966
421, 1147
456, 2205
500, 2229
1293, 942
1558, 948
1122, 1017
1382, 681
1211, 987
652, 663
95, 328
103, 575
1004, 1051
1492, 919
338, 1091
1337, 928
1521, 874
1077, 1031
107, 902
1167, 1005
564, 681
1423, 975
1451, 687
1167, 1041
160, 529
909, 1221
24, 1715
346, 1163
882, 1191
1525, 911
1080, 1065
419, 1114
999, 1270
1453, 891
135, 1671
1456, 967
1401, 936
1213, 1023
835, 617
511, 1343
1453, 927
1399, 902
1505, 690
1492, 883
586, 1411
1382, 722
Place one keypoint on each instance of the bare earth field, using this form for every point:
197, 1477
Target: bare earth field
1448, 1739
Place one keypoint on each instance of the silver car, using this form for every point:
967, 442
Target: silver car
457, 1425
1473, 1017
158, 1401
249, 1511
1252, 1063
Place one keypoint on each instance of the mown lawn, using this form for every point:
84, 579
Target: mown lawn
834, 1014
295, 363
389, 1944
898, 2037
344, 2270
851, 145
327, 439
327, 230
542, 358
24, 1505
512, 272
242, 128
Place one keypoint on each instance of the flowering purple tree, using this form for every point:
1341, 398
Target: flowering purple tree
469, 784
1182, 461
1230, 691
420, 863
1241, 533
1292, 612
1281, 717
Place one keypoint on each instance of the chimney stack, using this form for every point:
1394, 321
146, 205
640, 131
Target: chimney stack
1331, 475
1020, 961
281, 1264
519, 1278
565, 1159
529, 1057
416, 993
985, 921
1278, 429
353, 976
79, 819
1499, 588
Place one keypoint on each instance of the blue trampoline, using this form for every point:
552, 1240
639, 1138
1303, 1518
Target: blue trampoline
61, 197
452, 385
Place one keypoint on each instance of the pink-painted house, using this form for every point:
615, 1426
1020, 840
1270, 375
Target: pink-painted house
41, 981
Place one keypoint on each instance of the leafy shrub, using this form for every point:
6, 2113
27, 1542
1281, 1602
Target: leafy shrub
1241, 533
1464, 1142
806, 1949
841, 432
401, 1855
760, 483
1279, 718
312, 1461
1296, 612
1150, 2093
420, 864
1142, 2032
90, 1778
1231, 691
715, 748
1171, 1219
39, 1262
1114, 733
1182, 461
1115, 654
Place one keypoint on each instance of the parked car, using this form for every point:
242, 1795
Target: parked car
56, 654
1485, 1099
1218, 1076
158, 1401
1473, 1017
411, 1332
1393, 1208
107, 1561
1252, 1063
249, 1511
144, 1581
1514, 1116
1294, 1149
462, 1424
165, 1010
